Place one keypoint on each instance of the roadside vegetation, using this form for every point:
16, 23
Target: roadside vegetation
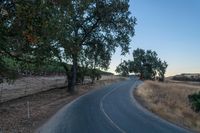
74, 38
77, 35
41, 106
191, 78
170, 101
195, 101
51, 68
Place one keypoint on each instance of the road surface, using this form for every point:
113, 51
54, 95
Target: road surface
112, 109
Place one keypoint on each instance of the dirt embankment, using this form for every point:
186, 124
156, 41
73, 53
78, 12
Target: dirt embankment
170, 101
14, 113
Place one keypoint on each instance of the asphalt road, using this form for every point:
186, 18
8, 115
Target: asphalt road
112, 109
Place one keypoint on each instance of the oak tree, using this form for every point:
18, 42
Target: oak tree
92, 28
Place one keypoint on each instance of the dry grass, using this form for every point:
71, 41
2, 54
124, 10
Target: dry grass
13, 113
170, 101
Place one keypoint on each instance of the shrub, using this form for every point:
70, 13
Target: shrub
194, 99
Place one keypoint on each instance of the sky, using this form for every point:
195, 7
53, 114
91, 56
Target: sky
169, 27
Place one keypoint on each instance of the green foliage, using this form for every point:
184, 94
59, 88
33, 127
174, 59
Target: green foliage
148, 65
76, 32
194, 99
95, 28
106, 73
137, 64
19, 68
23, 35
123, 68
94, 74
162, 66
89, 32
145, 63
6, 72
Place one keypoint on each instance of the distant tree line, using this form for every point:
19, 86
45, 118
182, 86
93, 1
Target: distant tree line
79, 35
146, 64
185, 78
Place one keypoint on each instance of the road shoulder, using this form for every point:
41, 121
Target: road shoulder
43, 105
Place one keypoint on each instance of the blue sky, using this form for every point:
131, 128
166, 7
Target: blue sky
169, 27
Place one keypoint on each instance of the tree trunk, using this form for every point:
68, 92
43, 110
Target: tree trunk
141, 76
93, 79
73, 76
82, 80
68, 74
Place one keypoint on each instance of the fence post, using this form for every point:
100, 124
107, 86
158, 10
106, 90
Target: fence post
43, 84
28, 110
26, 87
1, 93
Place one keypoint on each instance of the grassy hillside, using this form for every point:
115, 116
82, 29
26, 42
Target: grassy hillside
187, 77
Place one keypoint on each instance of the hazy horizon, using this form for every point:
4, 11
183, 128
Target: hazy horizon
171, 28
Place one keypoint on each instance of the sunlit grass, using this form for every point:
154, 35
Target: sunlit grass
170, 101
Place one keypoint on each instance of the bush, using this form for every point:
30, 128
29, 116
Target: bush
194, 99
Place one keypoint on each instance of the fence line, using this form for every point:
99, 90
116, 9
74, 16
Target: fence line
30, 85
1, 93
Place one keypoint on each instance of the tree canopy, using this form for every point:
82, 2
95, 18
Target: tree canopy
76, 32
123, 68
23, 33
146, 64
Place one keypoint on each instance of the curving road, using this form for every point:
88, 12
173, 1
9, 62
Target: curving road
111, 109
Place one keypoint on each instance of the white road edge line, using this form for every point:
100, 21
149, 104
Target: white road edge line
58, 114
102, 109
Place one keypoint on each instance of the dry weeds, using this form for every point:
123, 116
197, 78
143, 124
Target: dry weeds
170, 101
13, 113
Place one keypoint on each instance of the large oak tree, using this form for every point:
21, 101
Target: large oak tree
72, 32
146, 64
93, 29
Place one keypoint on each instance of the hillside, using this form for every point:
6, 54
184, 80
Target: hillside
187, 77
